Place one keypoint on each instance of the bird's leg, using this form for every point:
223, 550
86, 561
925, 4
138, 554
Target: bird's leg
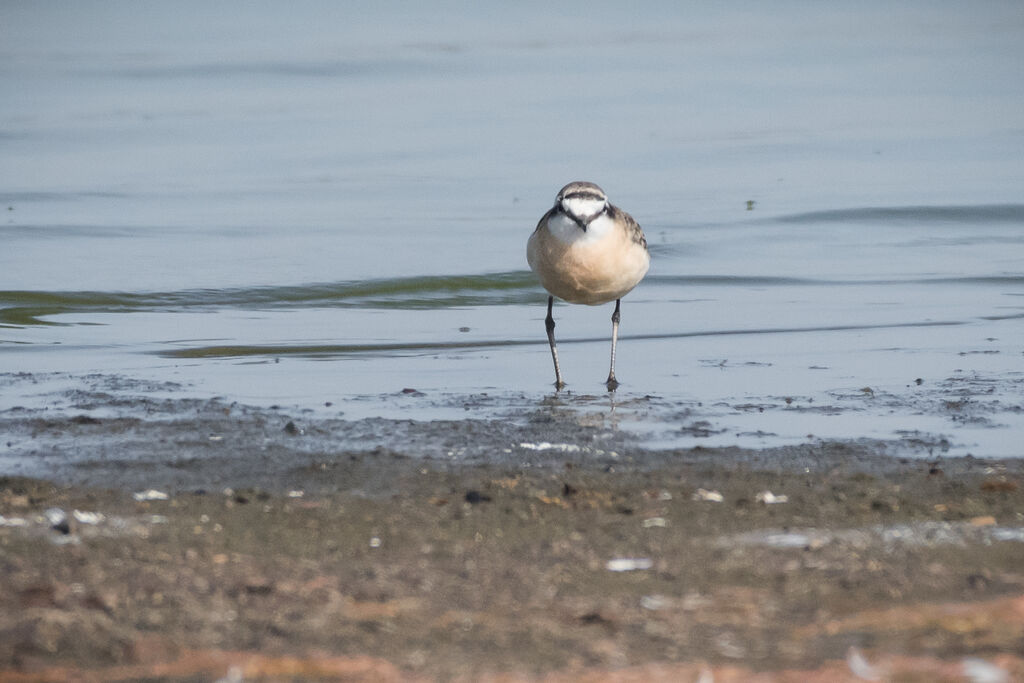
613, 383
549, 325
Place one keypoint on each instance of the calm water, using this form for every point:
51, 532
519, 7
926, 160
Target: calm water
330, 203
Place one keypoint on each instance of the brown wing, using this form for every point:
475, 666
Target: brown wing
544, 219
632, 226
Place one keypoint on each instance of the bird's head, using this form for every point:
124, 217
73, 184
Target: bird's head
582, 202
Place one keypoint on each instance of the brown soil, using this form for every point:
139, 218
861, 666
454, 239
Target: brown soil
433, 571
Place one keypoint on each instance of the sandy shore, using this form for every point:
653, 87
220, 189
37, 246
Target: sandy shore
282, 560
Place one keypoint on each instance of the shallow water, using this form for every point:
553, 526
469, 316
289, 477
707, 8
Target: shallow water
327, 205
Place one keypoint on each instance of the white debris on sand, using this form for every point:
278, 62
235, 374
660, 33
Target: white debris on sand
655, 602
628, 564
548, 446
13, 521
85, 517
979, 671
860, 666
769, 498
150, 494
55, 516
710, 496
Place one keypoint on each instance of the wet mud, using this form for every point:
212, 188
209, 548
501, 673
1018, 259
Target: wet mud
179, 539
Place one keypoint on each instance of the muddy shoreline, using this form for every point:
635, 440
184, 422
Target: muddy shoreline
290, 547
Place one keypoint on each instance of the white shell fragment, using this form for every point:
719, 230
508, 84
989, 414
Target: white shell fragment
547, 446
710, 496
85, 517
628, 564
979, 671
655, 602
150, 494
13, 521
860, 666
769, 498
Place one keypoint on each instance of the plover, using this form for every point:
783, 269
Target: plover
587, 251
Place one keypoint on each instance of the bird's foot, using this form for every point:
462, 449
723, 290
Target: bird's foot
612, 383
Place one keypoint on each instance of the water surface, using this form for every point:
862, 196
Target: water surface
329, 204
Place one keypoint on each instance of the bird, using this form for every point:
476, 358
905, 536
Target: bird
587, 251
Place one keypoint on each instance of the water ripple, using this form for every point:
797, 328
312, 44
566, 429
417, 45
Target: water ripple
986, 213
404, 348
22, 308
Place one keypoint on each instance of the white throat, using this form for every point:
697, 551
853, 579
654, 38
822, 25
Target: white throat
566, 230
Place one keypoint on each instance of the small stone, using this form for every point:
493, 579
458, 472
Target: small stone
58, 520
474, 497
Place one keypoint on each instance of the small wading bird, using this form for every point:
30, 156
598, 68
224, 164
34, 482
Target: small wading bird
586, 251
